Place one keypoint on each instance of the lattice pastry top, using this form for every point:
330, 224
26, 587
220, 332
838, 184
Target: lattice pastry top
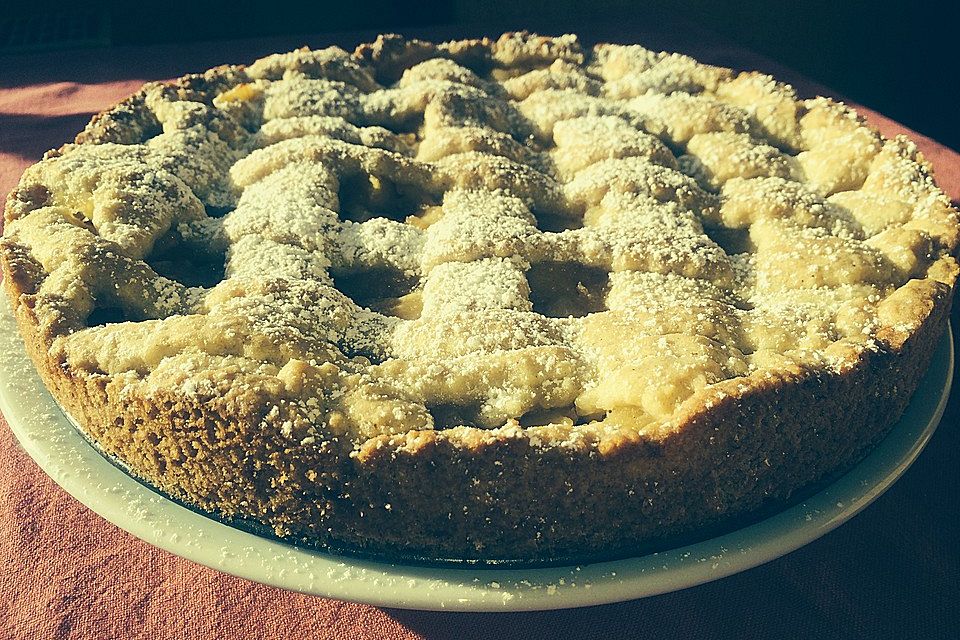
519, 234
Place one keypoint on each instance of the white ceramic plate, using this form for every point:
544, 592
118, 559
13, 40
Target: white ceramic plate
75, 465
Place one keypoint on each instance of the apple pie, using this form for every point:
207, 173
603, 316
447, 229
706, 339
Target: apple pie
511, 299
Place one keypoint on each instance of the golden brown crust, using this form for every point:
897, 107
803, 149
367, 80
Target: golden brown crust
470, 495
748, 437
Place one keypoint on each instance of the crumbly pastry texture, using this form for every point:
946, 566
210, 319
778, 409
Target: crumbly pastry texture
515, 299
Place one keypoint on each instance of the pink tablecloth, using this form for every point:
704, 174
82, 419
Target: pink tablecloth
893, 571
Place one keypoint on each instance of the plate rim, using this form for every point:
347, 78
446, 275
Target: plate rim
75, 465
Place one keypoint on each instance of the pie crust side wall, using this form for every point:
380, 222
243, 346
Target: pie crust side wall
492, 494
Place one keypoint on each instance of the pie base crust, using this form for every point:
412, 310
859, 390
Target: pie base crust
718, 464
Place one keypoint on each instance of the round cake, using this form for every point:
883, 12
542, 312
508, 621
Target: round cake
513, 299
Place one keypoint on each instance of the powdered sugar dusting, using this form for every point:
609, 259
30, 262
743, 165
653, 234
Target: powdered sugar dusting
685, 225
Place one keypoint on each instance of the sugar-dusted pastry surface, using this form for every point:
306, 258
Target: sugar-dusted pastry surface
563, 233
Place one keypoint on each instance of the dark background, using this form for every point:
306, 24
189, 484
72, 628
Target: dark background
899, 58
